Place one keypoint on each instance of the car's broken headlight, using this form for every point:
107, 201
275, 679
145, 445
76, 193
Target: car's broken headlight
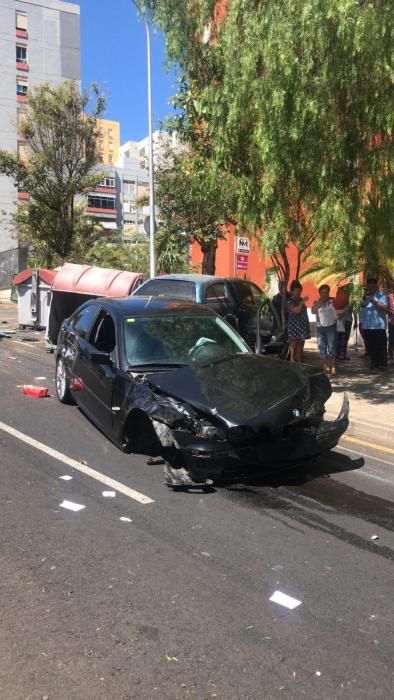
209, 431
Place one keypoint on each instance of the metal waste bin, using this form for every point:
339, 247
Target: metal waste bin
34, 296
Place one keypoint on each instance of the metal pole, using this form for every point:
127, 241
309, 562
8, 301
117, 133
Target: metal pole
152, 227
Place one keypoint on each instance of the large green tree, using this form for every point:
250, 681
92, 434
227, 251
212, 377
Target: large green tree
58, 167
294, 98
196, 202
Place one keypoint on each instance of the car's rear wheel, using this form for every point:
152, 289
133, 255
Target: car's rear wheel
61, 382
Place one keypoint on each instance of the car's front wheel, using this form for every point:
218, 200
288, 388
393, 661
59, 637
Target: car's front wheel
62, 383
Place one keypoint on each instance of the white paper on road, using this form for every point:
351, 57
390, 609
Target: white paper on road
109, 494
125, 520
285, 600
66, 477
71, 506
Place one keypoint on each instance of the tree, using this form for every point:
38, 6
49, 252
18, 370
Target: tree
295, 101
195, 202
60, 166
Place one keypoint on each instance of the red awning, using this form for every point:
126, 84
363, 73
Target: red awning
45, 275
97, 281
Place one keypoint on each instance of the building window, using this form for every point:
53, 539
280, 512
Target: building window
21, 54
107, 182
21, 20
22, 151
110, 158
21, 115
110, 133
101, 202
111, 146
21, 86
128, 187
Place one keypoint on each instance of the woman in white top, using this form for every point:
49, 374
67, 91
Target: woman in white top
326, 328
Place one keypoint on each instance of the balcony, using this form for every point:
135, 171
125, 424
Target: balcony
22, 66
98, 211
21, 33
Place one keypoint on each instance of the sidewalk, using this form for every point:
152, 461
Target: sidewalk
371, 395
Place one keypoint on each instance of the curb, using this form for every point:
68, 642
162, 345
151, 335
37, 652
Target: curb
368, 430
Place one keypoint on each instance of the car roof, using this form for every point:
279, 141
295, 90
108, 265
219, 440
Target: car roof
149, 306
196, 278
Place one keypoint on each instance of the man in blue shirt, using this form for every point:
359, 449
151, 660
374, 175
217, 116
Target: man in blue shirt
373, 313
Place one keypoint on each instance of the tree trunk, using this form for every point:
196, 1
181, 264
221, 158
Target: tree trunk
209, 257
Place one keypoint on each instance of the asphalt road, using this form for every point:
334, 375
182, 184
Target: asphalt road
176, 603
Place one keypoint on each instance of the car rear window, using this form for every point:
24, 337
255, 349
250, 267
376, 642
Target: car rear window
176, 289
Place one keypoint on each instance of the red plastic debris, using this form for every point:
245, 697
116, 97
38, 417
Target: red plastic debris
39, 392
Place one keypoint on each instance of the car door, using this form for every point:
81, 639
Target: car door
98, 377
216, 298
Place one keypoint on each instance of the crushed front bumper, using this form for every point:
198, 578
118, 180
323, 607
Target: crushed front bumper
211, 458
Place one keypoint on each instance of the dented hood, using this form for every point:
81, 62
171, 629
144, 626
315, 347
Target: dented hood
245, 389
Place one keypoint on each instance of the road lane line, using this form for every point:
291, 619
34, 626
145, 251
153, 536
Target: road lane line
83, 468
364, 443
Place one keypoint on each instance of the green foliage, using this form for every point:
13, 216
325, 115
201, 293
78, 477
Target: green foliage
171, 254
196, 201
295, 101
60, 165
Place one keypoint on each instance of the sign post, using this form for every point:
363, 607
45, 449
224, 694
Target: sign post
242, 253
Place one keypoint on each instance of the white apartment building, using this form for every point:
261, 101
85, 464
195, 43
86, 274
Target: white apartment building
39, 42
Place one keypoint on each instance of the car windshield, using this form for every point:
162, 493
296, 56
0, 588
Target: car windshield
174, 339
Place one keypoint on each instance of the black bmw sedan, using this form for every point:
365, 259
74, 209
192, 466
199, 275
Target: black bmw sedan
173, 379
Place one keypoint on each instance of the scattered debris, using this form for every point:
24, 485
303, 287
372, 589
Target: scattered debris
205, 554
125, 520
83, 461
318, 673
11, 357
171, 658
109, 494
66, 477
375, 537
71, 506
39, 379
250, 627
285, 600
28, 339
39, 392
155, 460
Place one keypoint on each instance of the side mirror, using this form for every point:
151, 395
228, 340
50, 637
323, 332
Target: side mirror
100, 358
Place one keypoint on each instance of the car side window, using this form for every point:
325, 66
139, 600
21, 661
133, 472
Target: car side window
84, 319
103, 334
216, 292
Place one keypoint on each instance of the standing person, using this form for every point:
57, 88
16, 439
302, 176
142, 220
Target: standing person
390, 311
326, 328
344, 311
277, 301
298, 330
373, 311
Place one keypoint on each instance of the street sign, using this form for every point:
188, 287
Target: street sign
242, 262
147, 225
243, 245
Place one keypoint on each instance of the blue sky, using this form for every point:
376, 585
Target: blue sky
113, 54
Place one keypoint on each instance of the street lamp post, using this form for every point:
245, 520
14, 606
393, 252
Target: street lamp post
152, 223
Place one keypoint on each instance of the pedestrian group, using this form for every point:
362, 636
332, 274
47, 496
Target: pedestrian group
335, 317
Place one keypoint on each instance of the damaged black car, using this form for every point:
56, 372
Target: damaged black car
172, 379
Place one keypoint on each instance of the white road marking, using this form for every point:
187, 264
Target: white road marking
88, 471
286, 600
70, 505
